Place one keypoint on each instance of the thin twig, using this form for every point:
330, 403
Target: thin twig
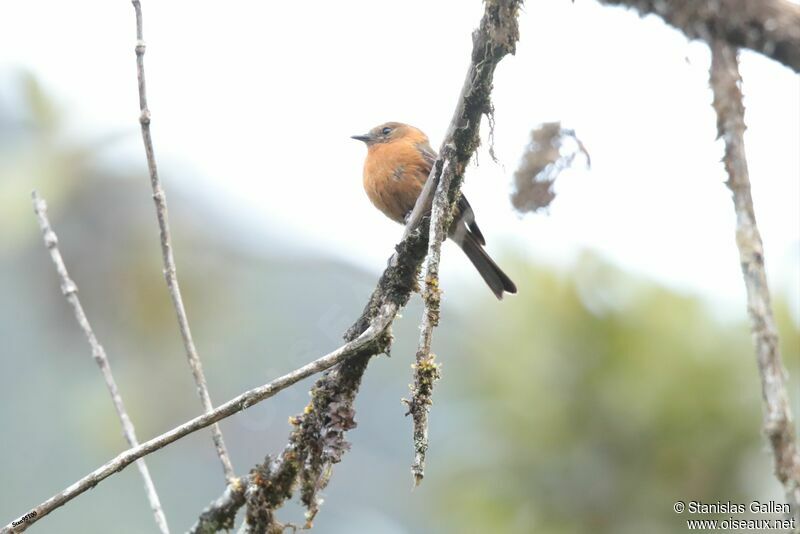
160, 200
494, 39
247, 399
778, 422
769, 27
426, 371
70, 291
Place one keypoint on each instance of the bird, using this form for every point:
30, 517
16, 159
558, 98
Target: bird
399, 160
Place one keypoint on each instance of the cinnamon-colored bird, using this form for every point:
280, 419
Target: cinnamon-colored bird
399, 160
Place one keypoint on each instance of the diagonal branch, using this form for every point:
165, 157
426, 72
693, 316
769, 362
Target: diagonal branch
778, 423
160, 200
770, 27
70, 291
372, 335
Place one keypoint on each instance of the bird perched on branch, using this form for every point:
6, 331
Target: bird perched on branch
399, 160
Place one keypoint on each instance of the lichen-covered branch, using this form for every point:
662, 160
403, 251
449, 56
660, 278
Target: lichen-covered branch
221, 514
375, 333
770, 27
70, 291
170, 273
778, 423
426, 371
494, 39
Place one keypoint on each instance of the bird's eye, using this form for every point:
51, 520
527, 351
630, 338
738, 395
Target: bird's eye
386, 131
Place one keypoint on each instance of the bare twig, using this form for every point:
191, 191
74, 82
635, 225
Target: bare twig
70, 291
770, 27
373, 334
778, 423
160, 200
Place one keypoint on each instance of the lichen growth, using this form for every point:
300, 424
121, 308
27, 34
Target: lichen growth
433, 298
271, 483
221, 515
426, 373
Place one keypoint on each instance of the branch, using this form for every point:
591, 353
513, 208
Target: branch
371, 335
70, 291
160, 200
778, 423
770, 27
221, 514
494, 39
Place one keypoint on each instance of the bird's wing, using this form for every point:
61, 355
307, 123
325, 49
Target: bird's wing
428, 154
468, 216
464, 210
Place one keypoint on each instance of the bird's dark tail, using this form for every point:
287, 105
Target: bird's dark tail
493, 275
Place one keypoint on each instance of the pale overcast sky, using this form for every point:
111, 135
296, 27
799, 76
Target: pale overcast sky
258, 100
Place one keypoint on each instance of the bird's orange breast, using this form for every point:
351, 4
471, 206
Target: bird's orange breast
394, 174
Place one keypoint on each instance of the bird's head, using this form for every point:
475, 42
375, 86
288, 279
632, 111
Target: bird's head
386, 133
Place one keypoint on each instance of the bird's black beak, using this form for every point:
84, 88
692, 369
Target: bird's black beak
365, 138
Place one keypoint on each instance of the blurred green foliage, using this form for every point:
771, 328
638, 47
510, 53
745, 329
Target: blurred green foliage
600, 400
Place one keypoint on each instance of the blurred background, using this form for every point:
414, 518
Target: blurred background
620, 379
